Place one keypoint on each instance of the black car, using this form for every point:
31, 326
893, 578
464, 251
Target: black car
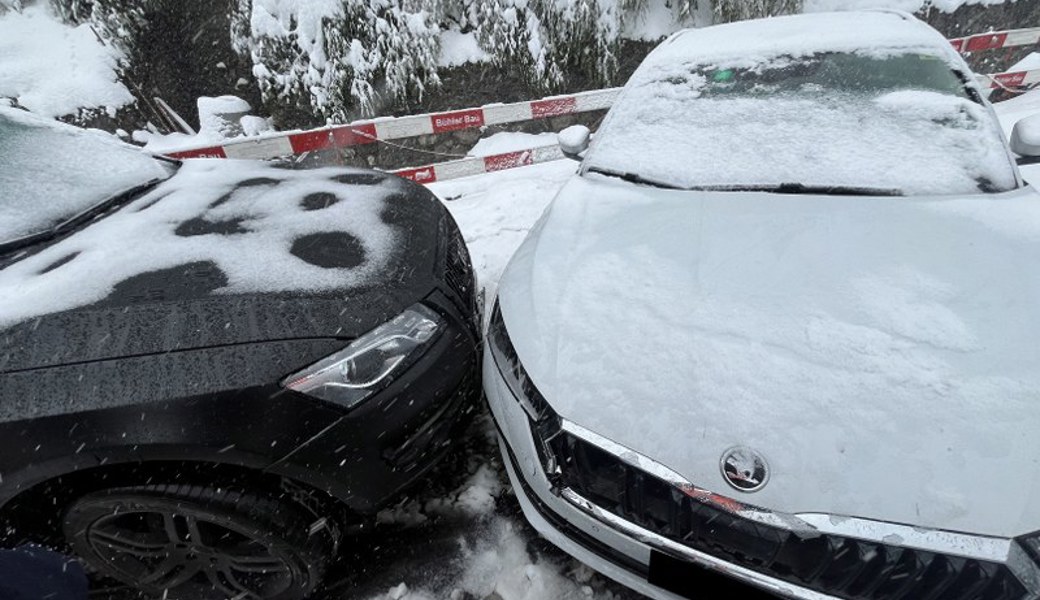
208, 370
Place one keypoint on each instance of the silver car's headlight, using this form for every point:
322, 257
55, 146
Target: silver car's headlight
371, 361
513, 373
1032, 543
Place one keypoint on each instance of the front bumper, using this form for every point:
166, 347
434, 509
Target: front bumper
664, 568
220, 406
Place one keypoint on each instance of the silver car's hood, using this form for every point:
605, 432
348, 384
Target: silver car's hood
883, 354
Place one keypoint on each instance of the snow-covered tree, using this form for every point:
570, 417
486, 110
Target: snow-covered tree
343, 59
6, 5
553, 37
116, 21
739, 10
339, 58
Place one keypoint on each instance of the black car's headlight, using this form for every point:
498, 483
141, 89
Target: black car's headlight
371, 361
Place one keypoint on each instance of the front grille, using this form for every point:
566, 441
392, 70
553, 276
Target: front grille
828, 564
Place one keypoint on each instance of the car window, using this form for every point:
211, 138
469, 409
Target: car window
900, 121
833, 73
50, 172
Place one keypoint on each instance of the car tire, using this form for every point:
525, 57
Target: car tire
197, 542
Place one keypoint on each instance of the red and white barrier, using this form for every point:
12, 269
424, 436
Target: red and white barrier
390, 128
1013, 82
291, 143
1012, 38
478, 165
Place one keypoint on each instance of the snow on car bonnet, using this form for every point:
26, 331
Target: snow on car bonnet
247, 218
872, 100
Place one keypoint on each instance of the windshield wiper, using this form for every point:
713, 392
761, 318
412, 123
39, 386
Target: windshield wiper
801, 188
78, 219
633, 178
780, 188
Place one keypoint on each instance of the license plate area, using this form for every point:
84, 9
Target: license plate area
690, 580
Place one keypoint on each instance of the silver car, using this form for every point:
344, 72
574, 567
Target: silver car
783, 325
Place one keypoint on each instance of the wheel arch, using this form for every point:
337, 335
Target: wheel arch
35, 512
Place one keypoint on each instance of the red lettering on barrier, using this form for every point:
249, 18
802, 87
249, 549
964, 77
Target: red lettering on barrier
461, 119
421, 175
550, 108
1009, 79
501, 162
211, 152
985, 42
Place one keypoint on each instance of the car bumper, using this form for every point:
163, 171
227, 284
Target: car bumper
240, 418
620, 555
643, 560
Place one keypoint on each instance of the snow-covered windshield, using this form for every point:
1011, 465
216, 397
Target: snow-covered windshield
900, 122
50, 172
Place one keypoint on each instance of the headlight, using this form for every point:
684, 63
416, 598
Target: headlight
370, 362
512, 371
1032, 543
545, 424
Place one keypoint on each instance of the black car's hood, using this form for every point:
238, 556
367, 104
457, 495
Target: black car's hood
224, 253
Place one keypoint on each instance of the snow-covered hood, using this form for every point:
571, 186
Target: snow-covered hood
881, 353
224, 252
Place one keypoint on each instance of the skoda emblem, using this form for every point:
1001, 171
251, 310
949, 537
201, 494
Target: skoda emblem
744, 469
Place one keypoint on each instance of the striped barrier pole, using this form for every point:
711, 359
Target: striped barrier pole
290, 143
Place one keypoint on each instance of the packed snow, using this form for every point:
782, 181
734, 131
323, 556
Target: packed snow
1030, 63
511, 141
53, 69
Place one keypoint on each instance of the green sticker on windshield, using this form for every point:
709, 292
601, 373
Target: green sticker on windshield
723, 75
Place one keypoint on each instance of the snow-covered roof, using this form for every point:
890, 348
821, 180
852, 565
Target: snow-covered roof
749, 42
865, 99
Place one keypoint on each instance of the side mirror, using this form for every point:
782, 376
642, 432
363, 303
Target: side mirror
574, 141
1025, 139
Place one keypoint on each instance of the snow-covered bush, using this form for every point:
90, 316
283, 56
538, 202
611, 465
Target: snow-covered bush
339, 58
344, 59
117, 22
739, 10
553, 37
6, 5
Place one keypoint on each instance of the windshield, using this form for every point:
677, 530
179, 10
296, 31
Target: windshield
50, 173
895, 122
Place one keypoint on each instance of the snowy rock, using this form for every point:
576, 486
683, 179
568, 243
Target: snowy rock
221, 116
253, 125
